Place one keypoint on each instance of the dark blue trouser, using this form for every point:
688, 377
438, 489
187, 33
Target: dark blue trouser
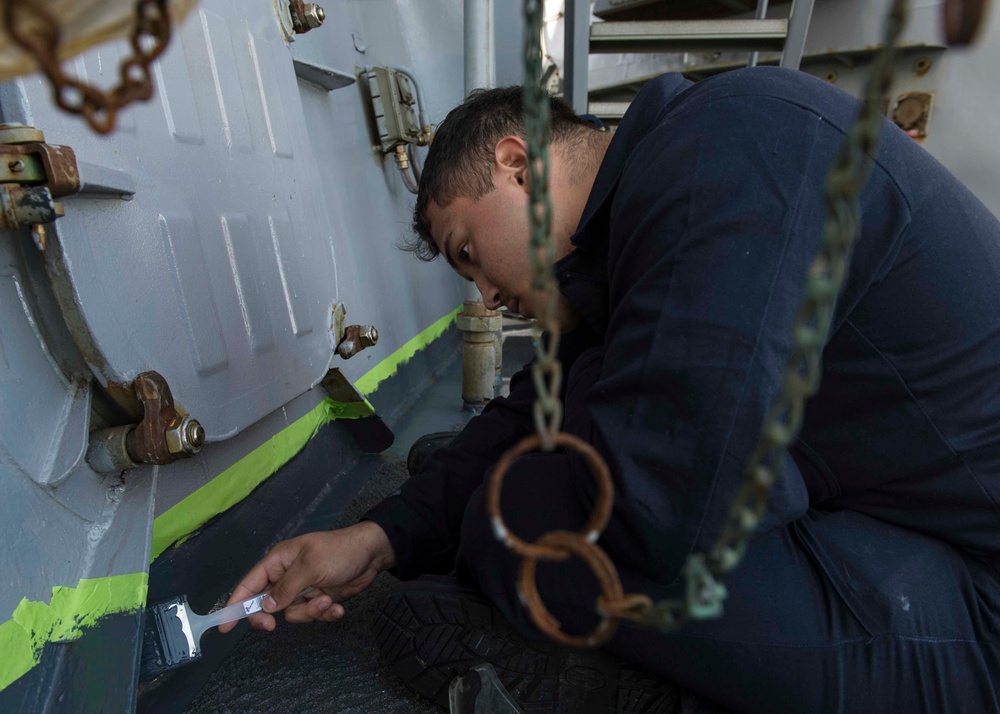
837, 612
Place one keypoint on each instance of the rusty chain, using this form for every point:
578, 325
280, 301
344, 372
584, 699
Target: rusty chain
546, 371
704, 593
35, 29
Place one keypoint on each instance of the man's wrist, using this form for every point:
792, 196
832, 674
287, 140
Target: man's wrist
383, 555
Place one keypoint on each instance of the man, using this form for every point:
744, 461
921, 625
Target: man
684, 239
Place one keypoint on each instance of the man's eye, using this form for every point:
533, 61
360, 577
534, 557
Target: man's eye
463, 252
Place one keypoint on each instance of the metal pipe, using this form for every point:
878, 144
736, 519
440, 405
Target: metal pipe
480, 72
759, 15
576, 55
480, 45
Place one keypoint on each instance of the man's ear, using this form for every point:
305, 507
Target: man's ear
511, 155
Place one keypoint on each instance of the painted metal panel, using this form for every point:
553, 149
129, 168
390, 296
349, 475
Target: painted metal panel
43, 414
219, 273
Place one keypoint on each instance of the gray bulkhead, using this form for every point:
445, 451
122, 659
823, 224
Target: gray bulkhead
217, 227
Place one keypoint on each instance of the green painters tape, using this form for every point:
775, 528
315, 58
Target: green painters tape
70, 611
235, 483
177, 524
391, 364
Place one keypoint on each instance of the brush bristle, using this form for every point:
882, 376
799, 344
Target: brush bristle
164, 645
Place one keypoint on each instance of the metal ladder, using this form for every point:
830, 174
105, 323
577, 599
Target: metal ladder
758, 34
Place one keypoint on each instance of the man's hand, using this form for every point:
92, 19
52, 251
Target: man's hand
338, 564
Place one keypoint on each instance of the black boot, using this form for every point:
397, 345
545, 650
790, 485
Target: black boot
433, 629
425, 446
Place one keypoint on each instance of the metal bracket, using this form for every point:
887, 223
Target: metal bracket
32, 175
479, 691
165, 434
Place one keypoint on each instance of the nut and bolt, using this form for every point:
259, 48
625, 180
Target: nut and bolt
315, 15
186, 438
356, 338
368, 335
16, 166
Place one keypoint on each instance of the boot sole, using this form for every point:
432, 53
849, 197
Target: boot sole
431, 630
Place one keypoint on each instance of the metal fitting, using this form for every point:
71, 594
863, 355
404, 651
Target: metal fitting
164, 434
107, 451
357, 338
401, 158
478, 326
20, 134
314, 16
185, 438
21, 207
305, 16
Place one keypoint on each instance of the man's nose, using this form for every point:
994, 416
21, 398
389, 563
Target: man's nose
491, 296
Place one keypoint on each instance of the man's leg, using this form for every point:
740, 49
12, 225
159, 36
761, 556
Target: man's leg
836, 612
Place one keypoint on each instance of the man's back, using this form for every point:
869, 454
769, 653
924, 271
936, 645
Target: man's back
717, 199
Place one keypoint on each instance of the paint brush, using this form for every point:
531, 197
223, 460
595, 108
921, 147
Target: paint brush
173, 633
172, 637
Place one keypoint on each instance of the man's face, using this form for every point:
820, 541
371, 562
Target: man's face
486, 240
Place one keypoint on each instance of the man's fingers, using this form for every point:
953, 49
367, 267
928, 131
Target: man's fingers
268, 569
297, 578
252, 583
309, 610
262, 621
334, 612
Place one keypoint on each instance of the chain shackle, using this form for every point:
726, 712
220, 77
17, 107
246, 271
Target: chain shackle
598, 519
600, 565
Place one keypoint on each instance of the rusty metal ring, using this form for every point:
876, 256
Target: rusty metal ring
604, 570
598, 518
962, 19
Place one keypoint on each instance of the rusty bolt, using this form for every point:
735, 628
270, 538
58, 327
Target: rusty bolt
16, 166
368, 335
315, 15
356, 338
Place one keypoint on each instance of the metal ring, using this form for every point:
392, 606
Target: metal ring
603, 569
598, 518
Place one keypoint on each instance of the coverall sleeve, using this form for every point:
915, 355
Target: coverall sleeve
713, 227
423, 518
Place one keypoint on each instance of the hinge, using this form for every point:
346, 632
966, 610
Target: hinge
33, 175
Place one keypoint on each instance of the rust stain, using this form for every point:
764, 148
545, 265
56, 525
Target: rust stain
61, 172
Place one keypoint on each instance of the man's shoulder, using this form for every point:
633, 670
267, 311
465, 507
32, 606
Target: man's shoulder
770, 85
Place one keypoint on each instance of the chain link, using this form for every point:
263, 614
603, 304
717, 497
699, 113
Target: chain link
35, 29
547, 371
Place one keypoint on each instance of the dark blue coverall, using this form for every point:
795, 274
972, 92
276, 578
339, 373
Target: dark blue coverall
873, 583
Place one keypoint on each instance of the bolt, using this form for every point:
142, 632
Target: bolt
194, 433
16, 166
346, 349
315, 15
368, 335
185, 438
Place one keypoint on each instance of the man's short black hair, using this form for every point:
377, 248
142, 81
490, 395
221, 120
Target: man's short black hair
460, 160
